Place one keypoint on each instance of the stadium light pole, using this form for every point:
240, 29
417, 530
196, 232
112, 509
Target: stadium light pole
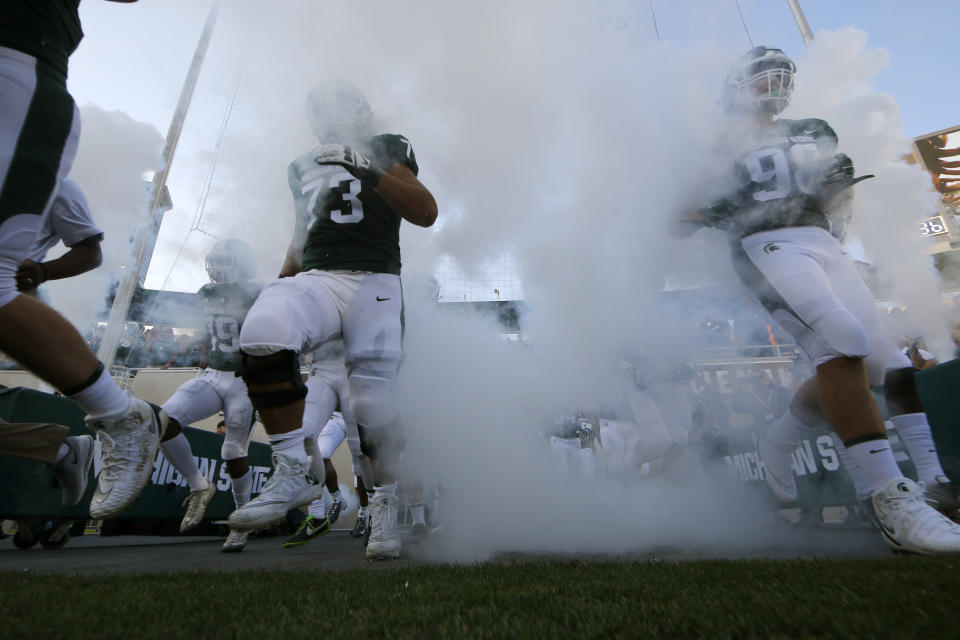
805, 32
128, 283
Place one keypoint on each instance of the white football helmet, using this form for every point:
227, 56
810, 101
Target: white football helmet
762, 81
338, 112
231, 260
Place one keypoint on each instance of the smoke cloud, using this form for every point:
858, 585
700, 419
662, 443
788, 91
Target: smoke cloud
564, 134
114, 155
834, 82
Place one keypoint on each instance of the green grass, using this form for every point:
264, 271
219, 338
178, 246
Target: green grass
905, 598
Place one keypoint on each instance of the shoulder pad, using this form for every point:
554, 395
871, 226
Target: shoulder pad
394, 149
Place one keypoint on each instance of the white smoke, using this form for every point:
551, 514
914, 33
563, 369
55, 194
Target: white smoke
562, 133
114, 155
834, 83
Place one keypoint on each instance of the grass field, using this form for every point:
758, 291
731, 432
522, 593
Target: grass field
897, 597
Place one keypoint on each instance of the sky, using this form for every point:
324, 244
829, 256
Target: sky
134, 59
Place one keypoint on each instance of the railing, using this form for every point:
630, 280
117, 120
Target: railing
749, 352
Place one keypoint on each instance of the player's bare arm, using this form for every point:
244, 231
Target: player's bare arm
401, 189
82, 257
685, 224
293, 260
717, 214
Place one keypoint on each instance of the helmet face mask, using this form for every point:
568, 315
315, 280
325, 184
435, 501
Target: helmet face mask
230, 261
761, 82
338, 112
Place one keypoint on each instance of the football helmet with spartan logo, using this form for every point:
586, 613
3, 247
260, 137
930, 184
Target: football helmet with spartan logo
231, 260
762, 80
338, 112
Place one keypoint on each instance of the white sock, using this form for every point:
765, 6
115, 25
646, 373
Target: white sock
317, 467
242, 487
102, 397
850, 466
335, 495
361, 512
416, 512
915, 432
61, 452
317, 508
177, 451
289, 444
387, 489
875, 460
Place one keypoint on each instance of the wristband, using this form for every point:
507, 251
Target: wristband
43, 273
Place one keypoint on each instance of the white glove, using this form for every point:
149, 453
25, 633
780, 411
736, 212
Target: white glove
356, 163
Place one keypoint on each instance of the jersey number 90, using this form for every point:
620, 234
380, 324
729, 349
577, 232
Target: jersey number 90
776, 172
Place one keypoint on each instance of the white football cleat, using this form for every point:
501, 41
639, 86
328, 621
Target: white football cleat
942, 495
778, 473
129, 442
289, 487
235, 542
384, 542
197, 503
909, 524
73, 469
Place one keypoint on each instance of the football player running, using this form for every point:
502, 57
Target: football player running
225, 301
789, 178
326, 429
340, 279
39, 133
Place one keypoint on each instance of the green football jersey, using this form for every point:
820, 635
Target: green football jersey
225, 305
780, 173
48, 30
349, 226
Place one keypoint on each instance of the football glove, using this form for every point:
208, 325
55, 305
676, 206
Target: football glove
839, 172
353, 161
719, 214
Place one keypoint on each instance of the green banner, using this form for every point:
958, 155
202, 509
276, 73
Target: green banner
28, 489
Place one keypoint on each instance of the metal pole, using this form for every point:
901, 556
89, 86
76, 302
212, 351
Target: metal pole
802, 23
128, 283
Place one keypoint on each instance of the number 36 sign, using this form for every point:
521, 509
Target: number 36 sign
932, 226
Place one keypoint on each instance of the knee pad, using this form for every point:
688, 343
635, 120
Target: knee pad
841, 330
262, 372
370, 398
381, 442
232, 450
835, 334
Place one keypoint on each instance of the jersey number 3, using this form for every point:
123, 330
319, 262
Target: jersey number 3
346, 207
